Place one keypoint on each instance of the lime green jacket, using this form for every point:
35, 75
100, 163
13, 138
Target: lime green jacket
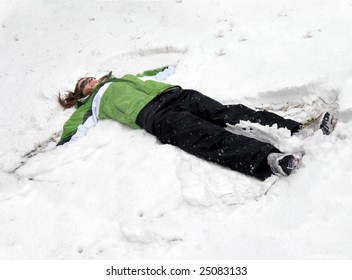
119, 99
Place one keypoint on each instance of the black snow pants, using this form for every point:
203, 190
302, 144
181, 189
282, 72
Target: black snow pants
195, 123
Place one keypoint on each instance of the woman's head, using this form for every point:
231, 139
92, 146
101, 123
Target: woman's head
84, 87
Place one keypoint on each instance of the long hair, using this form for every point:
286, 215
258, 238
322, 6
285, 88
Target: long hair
70, 99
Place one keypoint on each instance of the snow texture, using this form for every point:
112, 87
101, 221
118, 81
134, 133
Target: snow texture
120, 194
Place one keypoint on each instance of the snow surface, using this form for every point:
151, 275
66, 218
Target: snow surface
118, 193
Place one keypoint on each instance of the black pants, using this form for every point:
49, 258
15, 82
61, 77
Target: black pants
195, 123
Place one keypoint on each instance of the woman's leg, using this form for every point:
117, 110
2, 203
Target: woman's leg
194, 123
213, 111
213, 143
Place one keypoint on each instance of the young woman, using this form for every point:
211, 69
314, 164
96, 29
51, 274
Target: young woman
181, 117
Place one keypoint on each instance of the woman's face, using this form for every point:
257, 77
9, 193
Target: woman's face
87, 84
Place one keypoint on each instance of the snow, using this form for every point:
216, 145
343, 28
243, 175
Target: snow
118, 193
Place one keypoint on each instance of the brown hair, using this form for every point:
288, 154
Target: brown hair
70, 99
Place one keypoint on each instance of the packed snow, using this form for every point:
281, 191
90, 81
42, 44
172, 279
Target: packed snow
120, 194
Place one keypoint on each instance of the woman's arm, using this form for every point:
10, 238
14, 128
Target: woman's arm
105, 77
158, 74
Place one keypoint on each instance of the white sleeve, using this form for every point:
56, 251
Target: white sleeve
82, 129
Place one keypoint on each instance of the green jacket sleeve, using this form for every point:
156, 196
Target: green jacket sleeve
151, 72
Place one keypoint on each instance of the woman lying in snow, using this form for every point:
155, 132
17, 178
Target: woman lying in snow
184, 118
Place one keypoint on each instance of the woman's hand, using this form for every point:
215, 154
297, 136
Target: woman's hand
105, 77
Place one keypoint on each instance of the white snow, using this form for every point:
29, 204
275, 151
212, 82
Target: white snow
118, 193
